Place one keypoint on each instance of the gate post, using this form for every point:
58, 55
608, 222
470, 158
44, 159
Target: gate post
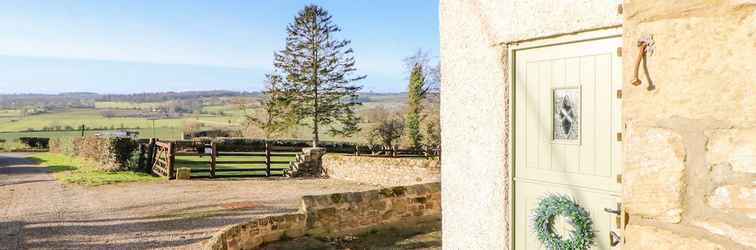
267, 158
213, 156
171, 159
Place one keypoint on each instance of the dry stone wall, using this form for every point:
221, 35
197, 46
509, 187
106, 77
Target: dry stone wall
381, 170
356, 212
690, 155
335, 215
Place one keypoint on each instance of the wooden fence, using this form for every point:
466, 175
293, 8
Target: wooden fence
161, 156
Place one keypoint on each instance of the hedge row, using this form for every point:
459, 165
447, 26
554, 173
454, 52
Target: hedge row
109, 154
35, 142
237, 144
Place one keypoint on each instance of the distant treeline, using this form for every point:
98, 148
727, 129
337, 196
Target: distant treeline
88, 99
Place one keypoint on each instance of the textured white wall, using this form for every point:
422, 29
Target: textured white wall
473, 118
474, 99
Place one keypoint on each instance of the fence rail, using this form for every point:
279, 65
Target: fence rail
161, 157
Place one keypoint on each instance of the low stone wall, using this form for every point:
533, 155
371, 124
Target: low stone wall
252, 234
351, 213
335, 215
382, 171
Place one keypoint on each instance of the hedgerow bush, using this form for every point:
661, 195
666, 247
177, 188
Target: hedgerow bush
109, 154
35, 142
248, 144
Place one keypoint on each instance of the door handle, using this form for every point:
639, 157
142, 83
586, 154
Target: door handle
612, 211
614, 238
617, 211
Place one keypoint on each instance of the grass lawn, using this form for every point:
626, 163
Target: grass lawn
203, 163
72, 170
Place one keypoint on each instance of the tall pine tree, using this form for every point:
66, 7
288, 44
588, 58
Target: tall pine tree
319, 74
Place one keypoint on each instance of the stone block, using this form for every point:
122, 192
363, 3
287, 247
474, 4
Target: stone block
732, 147
735, 198
742, 234
183, 173
647, 237
653, 183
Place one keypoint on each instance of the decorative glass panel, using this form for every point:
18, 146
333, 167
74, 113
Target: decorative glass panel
566, 115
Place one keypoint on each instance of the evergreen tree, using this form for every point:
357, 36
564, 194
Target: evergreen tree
318, 74
415, 95
271, 116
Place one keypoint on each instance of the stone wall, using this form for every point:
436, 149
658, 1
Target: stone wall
252, 234
382, 171
348, 213
335, 215
689, 155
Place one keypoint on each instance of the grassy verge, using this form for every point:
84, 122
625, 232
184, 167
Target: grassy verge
72, 170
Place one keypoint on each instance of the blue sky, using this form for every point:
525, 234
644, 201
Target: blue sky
145, 46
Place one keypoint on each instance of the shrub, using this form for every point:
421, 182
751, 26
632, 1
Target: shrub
35, 142
109, 154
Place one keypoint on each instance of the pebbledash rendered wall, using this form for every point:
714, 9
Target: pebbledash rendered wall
335, 215
689, 178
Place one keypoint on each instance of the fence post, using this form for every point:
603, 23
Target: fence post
171, 159
140, 162
150, 155
267, 158
213, 156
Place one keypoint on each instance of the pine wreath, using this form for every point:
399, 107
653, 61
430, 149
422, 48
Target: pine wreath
548, 209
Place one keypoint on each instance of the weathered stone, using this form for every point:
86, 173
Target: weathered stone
735, 198
647, 237
653, 176
382, 171
744, 235
732, 147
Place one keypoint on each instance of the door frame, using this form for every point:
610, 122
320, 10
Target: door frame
512, 49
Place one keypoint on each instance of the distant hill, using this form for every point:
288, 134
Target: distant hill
88, 99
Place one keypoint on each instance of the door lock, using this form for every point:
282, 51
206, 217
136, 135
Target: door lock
614, 238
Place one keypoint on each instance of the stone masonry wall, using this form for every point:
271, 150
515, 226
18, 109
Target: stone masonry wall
690, 168
382, 171
335, 215
252, 234
347, 213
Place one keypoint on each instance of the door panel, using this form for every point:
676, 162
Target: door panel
566, 118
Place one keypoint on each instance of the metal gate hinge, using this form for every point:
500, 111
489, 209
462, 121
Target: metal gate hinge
620, 9
619, 51
619, 137
619, 94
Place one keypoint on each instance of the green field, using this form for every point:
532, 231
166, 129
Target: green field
203, 163
216, 113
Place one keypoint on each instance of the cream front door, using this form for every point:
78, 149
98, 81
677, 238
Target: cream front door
567, 120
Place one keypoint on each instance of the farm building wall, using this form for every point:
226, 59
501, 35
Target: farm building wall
475, 105
694, 136
691, 141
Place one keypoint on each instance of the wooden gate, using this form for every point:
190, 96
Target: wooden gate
164, 159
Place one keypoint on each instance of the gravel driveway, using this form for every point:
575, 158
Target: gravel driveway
37, 212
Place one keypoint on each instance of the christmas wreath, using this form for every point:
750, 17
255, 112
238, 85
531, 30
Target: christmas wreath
548, 209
